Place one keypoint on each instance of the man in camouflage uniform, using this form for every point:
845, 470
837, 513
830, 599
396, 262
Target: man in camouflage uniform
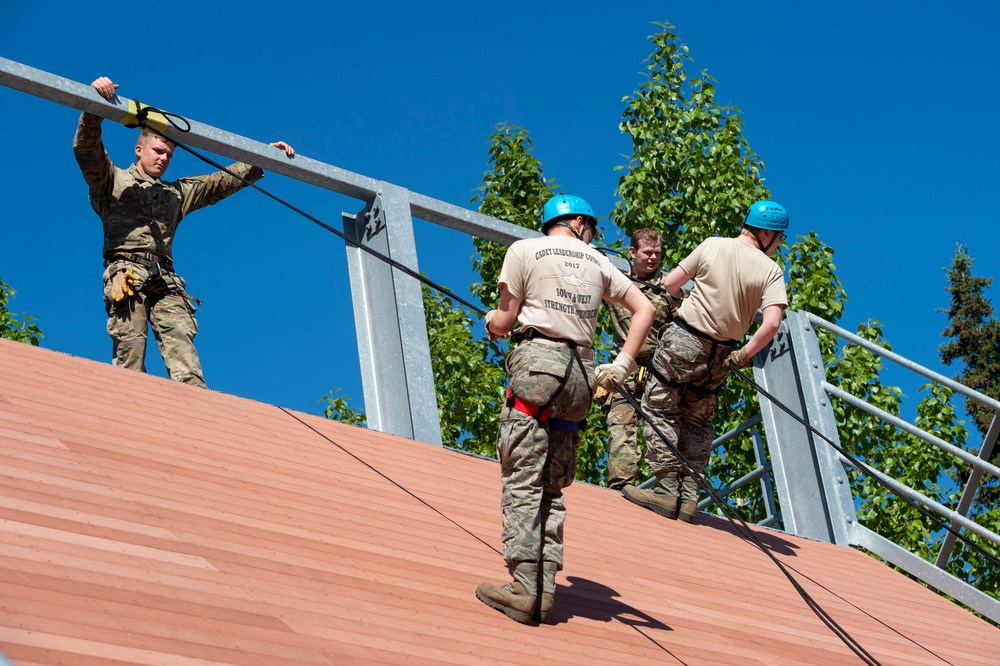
645, 249
733, 279
140, 213
553, 285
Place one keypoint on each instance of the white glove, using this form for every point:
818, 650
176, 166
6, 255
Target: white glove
490, 335
623, 366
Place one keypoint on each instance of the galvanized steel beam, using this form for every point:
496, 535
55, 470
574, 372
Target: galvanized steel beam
812, 484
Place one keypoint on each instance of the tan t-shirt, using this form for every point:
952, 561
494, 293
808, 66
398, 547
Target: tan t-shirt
560, 282
732, 280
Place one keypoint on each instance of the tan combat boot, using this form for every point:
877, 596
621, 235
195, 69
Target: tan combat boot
689, 499
548, 589
661, 498
516, 600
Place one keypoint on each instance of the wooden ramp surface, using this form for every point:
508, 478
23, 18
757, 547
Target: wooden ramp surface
144, 521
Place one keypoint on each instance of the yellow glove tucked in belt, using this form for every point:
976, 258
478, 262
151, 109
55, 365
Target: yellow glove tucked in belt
121, 285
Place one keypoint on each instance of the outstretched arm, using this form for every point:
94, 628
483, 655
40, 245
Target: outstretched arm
624, 364
88, 147
642, 318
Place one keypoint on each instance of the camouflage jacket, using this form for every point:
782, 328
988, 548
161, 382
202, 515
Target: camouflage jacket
141, 213
666, 307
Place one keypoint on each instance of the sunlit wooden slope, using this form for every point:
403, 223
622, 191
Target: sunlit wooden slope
144, 521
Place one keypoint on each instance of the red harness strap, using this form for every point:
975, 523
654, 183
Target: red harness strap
526, 407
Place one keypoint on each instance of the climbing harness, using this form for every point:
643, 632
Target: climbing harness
719, 350
542, 413
148, 260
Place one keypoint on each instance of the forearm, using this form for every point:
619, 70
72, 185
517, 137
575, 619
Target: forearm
247, 171
763, 335
200, 191
502, 322
87, 143
643, 313
641, 322
88, 148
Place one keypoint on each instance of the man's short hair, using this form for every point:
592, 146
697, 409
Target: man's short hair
647, 236
145, 136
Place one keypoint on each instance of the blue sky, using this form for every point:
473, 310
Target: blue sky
874, 121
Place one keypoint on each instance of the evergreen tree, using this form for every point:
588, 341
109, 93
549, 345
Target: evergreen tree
974, 341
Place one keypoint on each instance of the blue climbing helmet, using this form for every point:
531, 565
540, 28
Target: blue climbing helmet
766, 215
564, 205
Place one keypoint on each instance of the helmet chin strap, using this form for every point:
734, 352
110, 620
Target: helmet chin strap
760, 243
564, 223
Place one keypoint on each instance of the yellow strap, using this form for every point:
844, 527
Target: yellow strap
153, 119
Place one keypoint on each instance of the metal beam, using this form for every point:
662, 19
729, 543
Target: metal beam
84, 98
389, 318
812, 484
928, 573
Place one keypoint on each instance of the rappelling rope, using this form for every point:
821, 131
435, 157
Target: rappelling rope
140, 117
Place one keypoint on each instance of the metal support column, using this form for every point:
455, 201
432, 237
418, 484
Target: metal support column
812, 483
389, 318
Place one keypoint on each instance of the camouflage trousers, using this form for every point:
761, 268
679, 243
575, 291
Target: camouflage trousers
623, 441
162, 304
538, 459
680, 399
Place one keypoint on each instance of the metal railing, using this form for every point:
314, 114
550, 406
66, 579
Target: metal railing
793, 370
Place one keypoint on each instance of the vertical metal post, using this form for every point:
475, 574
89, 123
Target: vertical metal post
812, 483
766, 486
389, 318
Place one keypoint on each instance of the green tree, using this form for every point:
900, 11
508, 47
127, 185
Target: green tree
469, 377
338, 408
974, 340
13, 328
692, 173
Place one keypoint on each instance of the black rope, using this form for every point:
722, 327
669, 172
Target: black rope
744, 529
391, 480
866, 469
143, 123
